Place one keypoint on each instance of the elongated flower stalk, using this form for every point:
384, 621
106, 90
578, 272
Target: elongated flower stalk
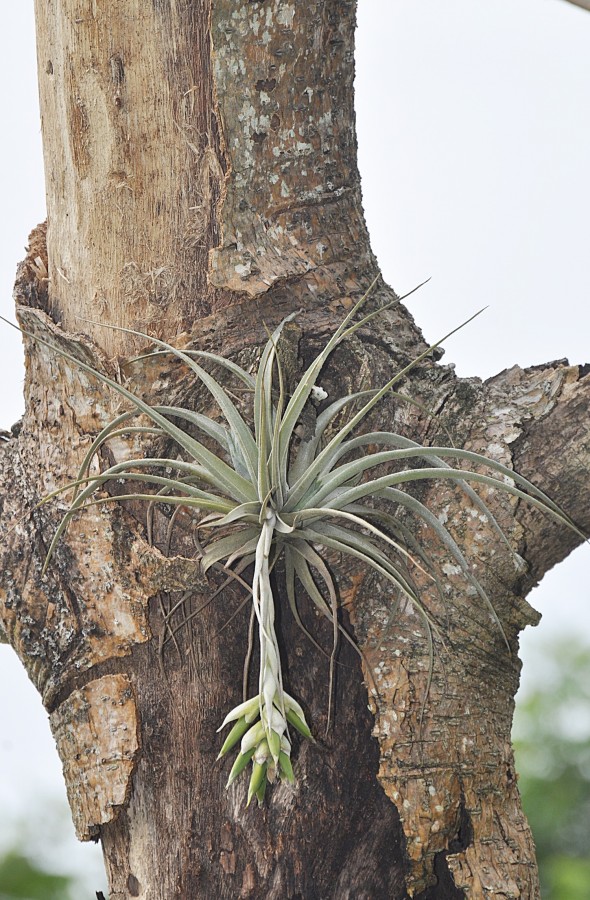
266, 742
272, 711
275, 496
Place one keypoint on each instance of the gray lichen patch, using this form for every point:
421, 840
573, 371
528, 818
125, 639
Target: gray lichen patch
292, 198
96, 732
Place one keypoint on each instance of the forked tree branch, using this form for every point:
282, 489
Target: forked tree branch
544, 413
231, 197
583, 4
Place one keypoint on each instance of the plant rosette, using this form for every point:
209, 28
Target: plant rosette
274, 494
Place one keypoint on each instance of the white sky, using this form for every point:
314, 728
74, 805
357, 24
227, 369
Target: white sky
474, 142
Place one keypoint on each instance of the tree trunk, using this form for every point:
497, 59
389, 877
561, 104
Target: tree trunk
201, 184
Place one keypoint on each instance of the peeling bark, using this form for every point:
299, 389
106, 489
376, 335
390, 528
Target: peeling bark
209, 187
448, 803
292, 202
96, 732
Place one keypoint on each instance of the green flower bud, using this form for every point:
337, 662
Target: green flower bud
243, 709
239, 765
286, 767
256, 780
234, 736
274, 743
252, 737
299, 724
261, 753
291, 703
261, 792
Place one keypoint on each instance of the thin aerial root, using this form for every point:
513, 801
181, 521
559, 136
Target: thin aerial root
162, 639
233, 615
185, 621
170, 528
335, 630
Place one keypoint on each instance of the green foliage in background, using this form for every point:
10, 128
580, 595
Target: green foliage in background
22, 878
552, 746
40, 858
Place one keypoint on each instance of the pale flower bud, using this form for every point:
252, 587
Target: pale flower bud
262, 753
252, 737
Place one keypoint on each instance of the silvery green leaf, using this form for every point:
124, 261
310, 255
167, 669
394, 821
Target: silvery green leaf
309, 515
236, 456
436, 455
193, 496
357, 545
241, 432
104, 435
298, 490
389, 572
292, 597
228, 364
246, 512
422, 512
212, 429
376, 485
388, 438
307, 449
304, 387
263, 411
405, 535
303, 557
228, 479
230, 546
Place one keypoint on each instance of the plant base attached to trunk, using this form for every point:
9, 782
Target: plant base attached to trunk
271, 494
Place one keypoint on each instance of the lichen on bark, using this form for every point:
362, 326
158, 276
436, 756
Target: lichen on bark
96, 731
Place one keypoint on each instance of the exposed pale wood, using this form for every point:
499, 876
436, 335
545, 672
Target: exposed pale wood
165, 141
96, 732
131, 161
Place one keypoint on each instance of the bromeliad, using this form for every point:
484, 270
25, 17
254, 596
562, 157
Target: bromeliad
266, 493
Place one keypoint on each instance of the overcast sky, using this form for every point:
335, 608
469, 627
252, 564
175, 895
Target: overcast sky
474, 141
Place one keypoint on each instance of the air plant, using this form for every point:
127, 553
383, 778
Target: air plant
268, 494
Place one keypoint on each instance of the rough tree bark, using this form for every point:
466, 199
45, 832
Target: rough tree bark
584, 4
201, 181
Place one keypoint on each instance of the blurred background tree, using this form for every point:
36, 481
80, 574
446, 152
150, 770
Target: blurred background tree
22, 878
40, 858
552, 747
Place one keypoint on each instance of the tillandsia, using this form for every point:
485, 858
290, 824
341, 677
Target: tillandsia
268, 493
